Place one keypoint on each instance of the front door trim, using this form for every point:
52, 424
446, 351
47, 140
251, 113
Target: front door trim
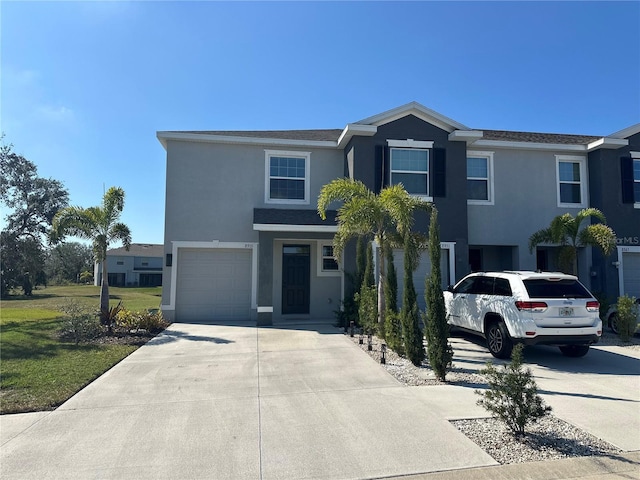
296, 279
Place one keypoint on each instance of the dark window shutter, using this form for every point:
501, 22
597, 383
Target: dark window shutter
386, 167
626, 169
378, 167
381, 177
439, 172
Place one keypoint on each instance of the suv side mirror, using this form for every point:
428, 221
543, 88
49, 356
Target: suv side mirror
450, 288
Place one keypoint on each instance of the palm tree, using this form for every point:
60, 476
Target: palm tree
363, 212
100, 225
565, 230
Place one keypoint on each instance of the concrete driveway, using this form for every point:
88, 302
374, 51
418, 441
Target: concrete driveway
238, 402
288, 402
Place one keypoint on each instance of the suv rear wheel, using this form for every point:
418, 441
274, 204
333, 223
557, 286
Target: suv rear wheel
574, 350
498, 341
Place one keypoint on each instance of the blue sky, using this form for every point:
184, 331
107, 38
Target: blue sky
86, 85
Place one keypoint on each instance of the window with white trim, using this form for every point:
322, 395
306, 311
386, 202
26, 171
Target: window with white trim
327, 264
410, 166
571, 179
287, 177
480, 178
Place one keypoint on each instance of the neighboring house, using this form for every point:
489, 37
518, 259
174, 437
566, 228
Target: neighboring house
243, 240
140, 266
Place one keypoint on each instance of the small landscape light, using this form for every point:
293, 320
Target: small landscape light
369, 342
383, 350
361, 338
351, 327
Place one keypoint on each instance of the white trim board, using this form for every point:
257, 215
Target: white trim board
279, 227
232, 139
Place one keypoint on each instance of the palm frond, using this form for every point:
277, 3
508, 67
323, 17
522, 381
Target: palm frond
598, 235
541, 236
113, 200
340, 190
590, 212
75, 221
121, 232
562, 229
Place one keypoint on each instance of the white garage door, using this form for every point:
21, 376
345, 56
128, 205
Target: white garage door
631, 273
213, 285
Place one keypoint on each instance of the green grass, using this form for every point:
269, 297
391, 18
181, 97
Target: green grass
38, 370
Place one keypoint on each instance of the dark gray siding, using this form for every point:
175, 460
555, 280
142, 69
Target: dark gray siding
606, 195
364, 163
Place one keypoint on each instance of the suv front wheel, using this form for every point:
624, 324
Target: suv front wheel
498, 341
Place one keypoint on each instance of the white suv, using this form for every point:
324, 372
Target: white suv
525, 307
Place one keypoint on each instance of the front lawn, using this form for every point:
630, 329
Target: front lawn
38, 369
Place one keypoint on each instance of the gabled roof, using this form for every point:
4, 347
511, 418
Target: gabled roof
338, 138
138, 250
627, 132
417, 110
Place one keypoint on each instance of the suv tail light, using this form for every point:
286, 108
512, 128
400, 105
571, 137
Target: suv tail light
593, 306
537, 307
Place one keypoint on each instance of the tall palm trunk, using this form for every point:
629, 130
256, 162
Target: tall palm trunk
104, 295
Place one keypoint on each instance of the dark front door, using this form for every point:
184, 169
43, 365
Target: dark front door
295, 278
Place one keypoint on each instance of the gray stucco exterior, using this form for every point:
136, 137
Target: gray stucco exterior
213, 192
217, 197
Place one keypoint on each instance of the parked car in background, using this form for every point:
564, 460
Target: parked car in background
612, 317
534, 308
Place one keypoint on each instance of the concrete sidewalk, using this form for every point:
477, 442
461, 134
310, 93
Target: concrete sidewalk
236, 402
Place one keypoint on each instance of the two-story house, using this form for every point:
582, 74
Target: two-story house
243, 240
140, 266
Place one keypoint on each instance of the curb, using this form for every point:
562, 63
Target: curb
625, 465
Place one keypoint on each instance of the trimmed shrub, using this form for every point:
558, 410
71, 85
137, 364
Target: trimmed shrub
627, 317
410, 317
151, 321
439, 349
367, 301
361, 263
512, 396
391, 284
79, 323
369, 278
393, 332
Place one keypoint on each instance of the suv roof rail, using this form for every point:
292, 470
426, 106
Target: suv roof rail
527, 272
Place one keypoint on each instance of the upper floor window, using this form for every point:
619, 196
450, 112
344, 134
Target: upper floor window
571, 175
287, 177
480, 178
636, 180
410, 166
630, 170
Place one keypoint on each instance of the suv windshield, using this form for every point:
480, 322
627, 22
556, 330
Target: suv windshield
543, 288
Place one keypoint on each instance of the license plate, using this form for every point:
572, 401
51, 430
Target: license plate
566, 311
